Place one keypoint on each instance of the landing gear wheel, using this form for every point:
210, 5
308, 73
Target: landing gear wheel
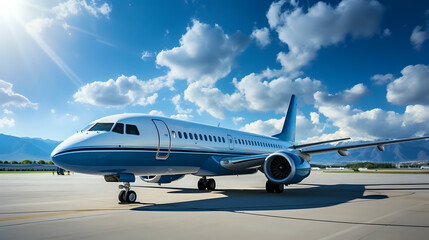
202, 184
121, 196
279, 188
269, 186
211, 184
131, 196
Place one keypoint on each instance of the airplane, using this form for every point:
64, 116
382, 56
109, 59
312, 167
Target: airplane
162, 150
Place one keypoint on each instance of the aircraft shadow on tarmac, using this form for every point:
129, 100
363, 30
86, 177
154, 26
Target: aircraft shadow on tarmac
310, 196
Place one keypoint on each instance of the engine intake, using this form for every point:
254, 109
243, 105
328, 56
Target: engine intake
279, 168
161, 178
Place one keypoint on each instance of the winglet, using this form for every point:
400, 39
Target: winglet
289, 126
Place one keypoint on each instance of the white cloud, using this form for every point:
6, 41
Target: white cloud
347, 96
237, 120
72, 117
37, 25
7, 122
411, 88
74, 7
304, 127
7, 111
212, 99
10, 98
156, 113
177, 101
264, 94
146, 55
52, 111
380, 79
419, 36
182, 116
314, 118
122, 91
262, 36
305, 31
206, 54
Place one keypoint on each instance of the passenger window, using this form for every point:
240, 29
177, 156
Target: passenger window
214, 138
180, 134
223, 139
185, 135
101, 127
201, 137
132, 129
205, 137
218, 138
119, 128
210, 137
173, 133
196, 136
190, 136
235, 141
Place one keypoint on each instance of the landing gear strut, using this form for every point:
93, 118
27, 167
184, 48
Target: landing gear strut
274, 187
204, 183
127, 195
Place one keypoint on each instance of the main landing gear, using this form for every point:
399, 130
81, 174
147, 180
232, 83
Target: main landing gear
204, 183
274, 187
127, 195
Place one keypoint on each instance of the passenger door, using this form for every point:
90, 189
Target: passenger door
230, 142
164, 139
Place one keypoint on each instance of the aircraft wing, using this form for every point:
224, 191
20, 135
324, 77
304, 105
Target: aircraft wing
342, 150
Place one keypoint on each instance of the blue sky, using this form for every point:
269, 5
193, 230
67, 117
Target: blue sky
359, 68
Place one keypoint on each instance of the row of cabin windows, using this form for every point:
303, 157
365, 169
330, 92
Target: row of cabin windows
256, 143
202, 137
119, 128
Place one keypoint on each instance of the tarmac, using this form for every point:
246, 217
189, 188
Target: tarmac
324, 206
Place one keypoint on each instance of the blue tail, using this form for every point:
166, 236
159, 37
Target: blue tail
289, 126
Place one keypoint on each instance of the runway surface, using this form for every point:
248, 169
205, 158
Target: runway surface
324, 206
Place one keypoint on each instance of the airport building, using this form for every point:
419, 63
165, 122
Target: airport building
413, 164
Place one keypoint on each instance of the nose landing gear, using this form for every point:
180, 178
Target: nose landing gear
127, 195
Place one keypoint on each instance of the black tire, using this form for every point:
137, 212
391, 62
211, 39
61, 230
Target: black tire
211, 184
269, 186
131, 196
121, 196
279, 188
202, 184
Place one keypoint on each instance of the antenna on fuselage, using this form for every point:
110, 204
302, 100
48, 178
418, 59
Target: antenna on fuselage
218, 124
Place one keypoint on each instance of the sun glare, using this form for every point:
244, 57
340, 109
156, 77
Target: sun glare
10, 8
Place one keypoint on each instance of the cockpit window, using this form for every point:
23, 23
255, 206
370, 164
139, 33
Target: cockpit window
132, 129
101, 127
119, 128
86, 128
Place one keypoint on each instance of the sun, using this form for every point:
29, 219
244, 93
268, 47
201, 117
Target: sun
10, 9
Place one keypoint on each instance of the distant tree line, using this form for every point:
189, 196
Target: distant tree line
28, 162
368, 165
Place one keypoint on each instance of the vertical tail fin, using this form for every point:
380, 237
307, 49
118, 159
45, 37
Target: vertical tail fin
289, 126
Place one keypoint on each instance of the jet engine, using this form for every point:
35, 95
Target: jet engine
161, 178
285, 168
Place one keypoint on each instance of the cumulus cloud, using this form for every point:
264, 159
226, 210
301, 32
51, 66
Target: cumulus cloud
306, 31
419, 36
65, 10
262, 36
375, 123
7, 111
263, 93
237, 120
411, 88
380, 79
6, 122
347, 96
183, 114
156, 113
314, 117
9, 98
304, 127
122, 91
146, 55
205, 54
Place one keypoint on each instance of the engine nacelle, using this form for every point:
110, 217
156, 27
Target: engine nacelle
286, 168
161, 178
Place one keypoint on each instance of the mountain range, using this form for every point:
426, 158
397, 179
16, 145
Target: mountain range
22, 148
